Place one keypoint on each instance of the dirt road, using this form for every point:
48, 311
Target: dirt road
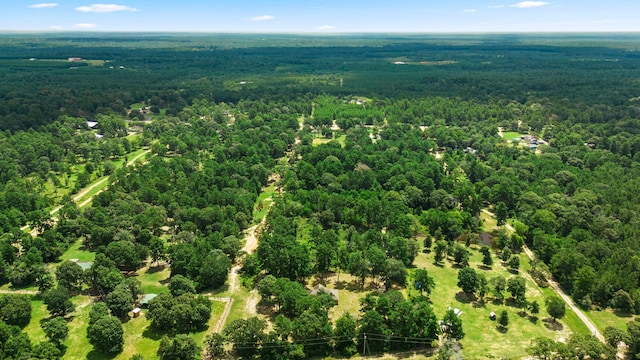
554, 285
587, 322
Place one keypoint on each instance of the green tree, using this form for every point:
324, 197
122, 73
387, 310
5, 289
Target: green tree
503, 320
56, 330
70, 275
486, 256
58, 301
555, 307
45, 350
182, 347
422, 281
460, 255
98, 311
452, 325
440, 251
214, 270
179, 285
120, 301
106, 335
502, 212
517, 286
15, 309
514, 263
346, 331
467, 280
245, 331
614, 336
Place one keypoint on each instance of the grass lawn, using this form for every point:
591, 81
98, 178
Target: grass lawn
77, 251
139, 337
483, 338
489, 223
38, 313
509, 136
608, 317
263, 202
154, 279
322, 140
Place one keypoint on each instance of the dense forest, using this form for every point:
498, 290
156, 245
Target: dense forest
381, 150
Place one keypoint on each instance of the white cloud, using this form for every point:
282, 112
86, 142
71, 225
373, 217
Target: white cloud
496, 6
104, 8
326, 27
43, 5
56, 27
262, 18
529, 4
470, 10
85, 26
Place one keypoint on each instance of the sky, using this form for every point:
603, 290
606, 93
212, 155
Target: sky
322, 16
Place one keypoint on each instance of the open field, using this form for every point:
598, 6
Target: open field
263, 202
483, 338
604, 318
510, 136
321, 140
77, 251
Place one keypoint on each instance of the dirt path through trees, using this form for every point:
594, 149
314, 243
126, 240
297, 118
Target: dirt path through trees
554, 285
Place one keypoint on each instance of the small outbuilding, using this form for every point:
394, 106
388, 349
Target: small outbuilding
136, 312
492, 316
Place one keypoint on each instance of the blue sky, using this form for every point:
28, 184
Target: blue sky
322, 15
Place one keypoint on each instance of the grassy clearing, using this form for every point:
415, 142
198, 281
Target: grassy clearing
489, 223
483, 338
38, 313
263, 202
322, 140
510, 136
77, 251
139, 337
605, 318
154, 279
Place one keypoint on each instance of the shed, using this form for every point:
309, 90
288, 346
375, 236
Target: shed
136, 312
321, 288
146, 298
492, 315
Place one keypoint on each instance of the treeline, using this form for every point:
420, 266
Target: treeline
172, 73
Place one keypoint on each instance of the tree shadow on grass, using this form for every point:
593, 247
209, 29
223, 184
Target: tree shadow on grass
97, 355
484, 267
620, 313
464, 297
522, 313
501, 329
157, 268
152, 334
533, 319
440, 265
553, 324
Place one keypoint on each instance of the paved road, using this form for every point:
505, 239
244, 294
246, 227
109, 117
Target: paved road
554, 285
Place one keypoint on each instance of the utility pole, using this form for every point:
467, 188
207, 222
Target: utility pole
364, 345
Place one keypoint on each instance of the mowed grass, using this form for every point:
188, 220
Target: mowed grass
483, 338
154, 279
263, 203
510, 136
139, 337
604, 318
77, 251
322, 140
38, 314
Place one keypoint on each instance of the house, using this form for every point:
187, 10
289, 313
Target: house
92, 124
322, 289
72, 59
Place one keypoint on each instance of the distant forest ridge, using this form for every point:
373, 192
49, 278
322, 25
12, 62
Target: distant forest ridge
113, 70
